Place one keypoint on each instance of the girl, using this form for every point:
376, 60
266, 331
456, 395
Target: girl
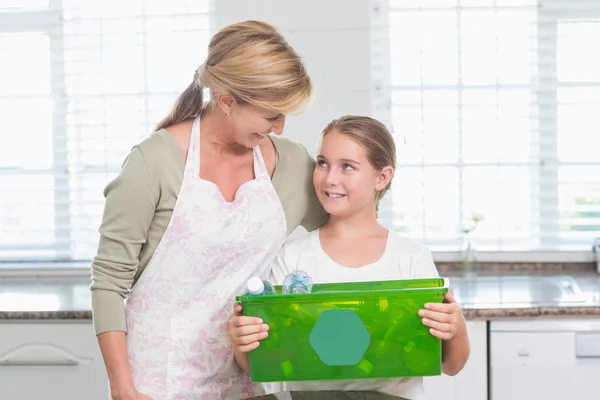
354, 170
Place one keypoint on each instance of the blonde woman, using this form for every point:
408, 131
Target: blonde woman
199, 207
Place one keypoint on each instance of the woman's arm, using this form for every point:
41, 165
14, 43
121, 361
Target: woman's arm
113, 346
131, 200
129, 209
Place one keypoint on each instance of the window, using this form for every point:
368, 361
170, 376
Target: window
85, 82
495, 105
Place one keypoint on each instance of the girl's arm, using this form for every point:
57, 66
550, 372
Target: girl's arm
446, 322
245, 333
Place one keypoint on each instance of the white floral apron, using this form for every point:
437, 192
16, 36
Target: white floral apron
177, 312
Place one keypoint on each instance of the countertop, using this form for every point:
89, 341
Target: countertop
532, 295
481, 297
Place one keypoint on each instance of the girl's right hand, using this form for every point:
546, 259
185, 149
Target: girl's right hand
245, 332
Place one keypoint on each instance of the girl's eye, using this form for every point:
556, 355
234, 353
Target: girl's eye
273, 119
348, 167
321, 163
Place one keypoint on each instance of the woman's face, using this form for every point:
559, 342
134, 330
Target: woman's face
251, 124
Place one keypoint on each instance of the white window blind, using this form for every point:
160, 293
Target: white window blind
81, 81
495, 105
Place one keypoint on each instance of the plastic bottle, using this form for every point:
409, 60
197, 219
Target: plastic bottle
257, 287
297, 282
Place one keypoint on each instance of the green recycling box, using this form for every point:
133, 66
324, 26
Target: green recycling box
347, 331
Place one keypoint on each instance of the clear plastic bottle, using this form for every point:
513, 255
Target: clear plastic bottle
257, 287
297, 282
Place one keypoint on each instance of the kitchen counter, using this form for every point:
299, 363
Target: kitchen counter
45, 298
482, 297
538, 295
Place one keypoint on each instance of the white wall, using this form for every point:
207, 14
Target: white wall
333, 38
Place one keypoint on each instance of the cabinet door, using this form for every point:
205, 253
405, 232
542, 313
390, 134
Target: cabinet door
51, 361
441, 387
545, 365
471, 382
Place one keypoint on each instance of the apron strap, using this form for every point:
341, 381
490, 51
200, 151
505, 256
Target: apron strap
260, 169
192, 164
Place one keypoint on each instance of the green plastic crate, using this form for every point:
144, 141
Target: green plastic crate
347, 331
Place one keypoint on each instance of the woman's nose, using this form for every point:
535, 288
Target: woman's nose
277, 127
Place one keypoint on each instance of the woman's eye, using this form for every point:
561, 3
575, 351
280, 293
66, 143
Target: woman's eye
348, 167
321, 163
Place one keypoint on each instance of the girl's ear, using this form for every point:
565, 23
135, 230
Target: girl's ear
384, 178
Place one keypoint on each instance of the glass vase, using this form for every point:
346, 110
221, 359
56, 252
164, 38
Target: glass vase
467, 252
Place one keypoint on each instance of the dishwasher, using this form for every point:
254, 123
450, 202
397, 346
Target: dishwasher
546, 358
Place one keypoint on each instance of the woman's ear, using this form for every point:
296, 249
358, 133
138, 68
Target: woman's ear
225, 102
384, 178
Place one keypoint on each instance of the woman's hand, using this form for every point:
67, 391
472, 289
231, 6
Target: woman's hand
245, 332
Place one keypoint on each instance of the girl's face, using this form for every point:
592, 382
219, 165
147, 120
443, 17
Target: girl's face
344, 179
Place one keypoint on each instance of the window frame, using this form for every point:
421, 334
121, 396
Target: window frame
48, 21
544, 182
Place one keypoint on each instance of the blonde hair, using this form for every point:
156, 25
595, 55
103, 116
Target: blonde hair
374, 137
252, 62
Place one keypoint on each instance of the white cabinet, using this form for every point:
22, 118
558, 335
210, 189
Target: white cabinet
471, 382
51, 361
545, 359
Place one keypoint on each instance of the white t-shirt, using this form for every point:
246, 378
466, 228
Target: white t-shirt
402, 259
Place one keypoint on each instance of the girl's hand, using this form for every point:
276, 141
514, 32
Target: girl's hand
445, 320
245, 332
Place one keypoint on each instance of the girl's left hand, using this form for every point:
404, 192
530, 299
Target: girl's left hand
445, 320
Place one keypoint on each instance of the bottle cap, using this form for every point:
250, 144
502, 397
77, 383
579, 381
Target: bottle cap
255, 285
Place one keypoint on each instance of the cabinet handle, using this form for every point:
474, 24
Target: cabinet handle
587, 345
37, 363
523, 353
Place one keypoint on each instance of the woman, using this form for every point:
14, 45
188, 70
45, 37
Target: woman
198, 208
